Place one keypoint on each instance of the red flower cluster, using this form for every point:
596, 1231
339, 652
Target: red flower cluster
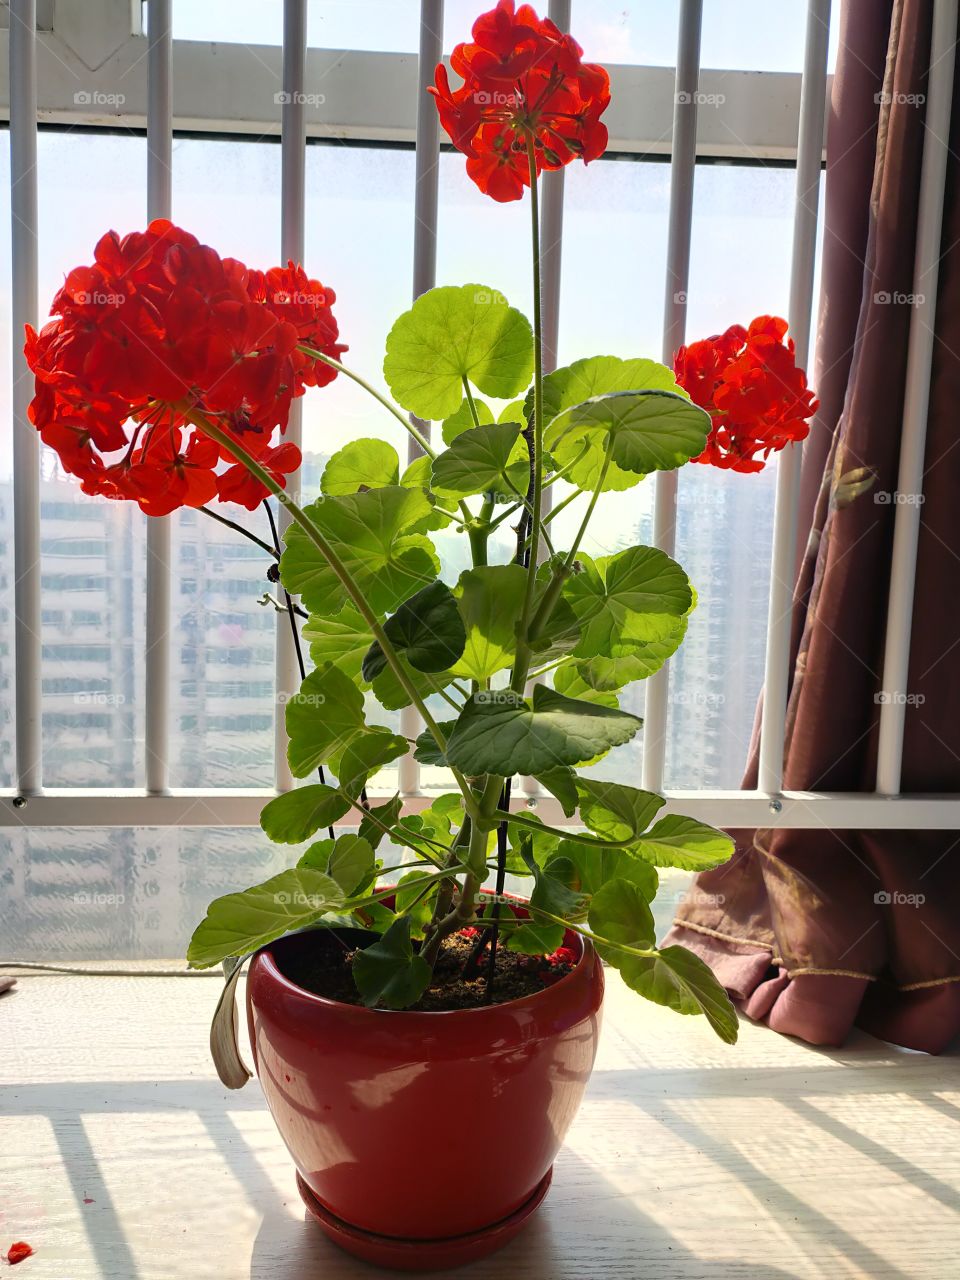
523, 78
159, 330
749, 383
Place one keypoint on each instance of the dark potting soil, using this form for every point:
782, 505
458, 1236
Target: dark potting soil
324, 969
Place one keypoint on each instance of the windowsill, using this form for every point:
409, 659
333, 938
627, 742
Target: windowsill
125, 1159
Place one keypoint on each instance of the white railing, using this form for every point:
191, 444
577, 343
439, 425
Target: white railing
380, 97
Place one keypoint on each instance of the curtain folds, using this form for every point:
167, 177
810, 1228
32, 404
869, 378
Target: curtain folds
815, 930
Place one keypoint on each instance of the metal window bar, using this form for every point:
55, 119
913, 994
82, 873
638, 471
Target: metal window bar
293, 175
159, 205
427, 178
30, 805
682, 174
26, 445
906, 531
783, 568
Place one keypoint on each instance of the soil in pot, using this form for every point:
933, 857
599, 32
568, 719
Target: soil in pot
324, 969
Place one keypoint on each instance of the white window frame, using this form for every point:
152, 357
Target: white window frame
94, 67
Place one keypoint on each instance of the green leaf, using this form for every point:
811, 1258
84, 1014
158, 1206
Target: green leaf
362, 464
619, 912
427, 751
342, 639
462, 419
365, 755
419, 913
325, 723
388, 815
427, 629
676, 841
390, 972
644, 430
490, 600
588, 868
616, 811
536, 938
322, 718
644, 658
569, 680
295, 815
626, 600
240, 923
486, 459
562, 783
369, 532
392, 695
352, 864
581, 381
454, 333
554, 887
499, 732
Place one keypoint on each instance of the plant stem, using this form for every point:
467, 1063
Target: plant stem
519, 674
212, 430
238, 528
404, 421
470, 401
562, 572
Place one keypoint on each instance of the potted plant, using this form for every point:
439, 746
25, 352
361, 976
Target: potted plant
405, 1012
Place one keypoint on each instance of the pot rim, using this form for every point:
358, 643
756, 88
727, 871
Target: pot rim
587, 955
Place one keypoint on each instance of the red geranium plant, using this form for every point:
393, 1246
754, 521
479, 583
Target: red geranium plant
166, 378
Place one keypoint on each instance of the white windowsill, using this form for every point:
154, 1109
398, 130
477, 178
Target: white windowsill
123, 1158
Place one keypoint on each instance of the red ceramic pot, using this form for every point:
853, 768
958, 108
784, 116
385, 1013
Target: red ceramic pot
423, 1140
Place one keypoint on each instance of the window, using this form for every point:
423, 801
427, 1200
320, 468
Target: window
359, 224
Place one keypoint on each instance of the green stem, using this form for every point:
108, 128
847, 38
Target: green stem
211, 429
401, 417
555, 511
470, 401
522, 663
552, 593
581, 837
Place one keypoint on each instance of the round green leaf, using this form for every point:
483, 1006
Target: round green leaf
359, 465
644, 430
369, 532
581, 381
487, 459
593, 868
295, 815
427, 629
627, 600
341, 639
452, 333
499, 732
462, 419
490, 600
614, 810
